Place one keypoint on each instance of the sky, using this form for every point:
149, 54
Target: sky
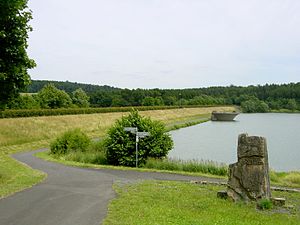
166, 43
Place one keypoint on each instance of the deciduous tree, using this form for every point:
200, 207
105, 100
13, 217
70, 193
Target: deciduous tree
14, 61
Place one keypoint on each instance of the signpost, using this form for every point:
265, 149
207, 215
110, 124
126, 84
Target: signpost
138, 135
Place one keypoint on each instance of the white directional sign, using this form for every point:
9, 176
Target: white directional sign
143, 134
131, 129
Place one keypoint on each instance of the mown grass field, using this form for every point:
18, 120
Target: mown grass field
19, 131
166, 202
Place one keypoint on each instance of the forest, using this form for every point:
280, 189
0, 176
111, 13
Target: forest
58, 94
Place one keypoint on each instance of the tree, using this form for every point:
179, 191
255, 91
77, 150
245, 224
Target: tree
80, 98
51, 97
25, 101
253, 106
121, 144
148, 101
14, 61
291, 104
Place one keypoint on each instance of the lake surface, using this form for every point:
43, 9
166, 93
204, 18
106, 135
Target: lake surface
217, 141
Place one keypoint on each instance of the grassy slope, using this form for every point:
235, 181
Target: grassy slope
15, 176
25, 134
35, 129
163, 202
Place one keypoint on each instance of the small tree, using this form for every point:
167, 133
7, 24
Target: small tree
51, 97
80, 98
121, 144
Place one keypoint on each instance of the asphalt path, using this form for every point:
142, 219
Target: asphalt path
70, 195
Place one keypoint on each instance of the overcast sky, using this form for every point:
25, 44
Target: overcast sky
166, 43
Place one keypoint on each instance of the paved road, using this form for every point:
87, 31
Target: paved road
69, 195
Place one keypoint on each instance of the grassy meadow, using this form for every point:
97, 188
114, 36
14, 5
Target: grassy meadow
18, 131
169, 202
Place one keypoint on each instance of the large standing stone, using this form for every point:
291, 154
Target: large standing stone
249, 177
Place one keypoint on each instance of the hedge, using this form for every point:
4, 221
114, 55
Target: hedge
74, 111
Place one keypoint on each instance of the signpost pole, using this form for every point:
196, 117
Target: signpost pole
134, 130
136, 150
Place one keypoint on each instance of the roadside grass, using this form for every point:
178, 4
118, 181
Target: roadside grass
65, 159
15, 176
193, 166
16, 131
168, 202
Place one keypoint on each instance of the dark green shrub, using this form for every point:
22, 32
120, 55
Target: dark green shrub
121, 144
70, 141
265, 204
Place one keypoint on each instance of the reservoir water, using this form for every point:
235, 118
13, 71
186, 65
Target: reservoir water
217, 141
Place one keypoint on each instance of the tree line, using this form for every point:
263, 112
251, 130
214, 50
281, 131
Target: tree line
260, 98
50, 97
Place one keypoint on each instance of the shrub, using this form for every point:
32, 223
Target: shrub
264, 204
70, 141
25, 101
75, 111
121, 144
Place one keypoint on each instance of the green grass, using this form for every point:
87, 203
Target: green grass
63, 159
166, 202
193, 166
15, 176
17, 131
290, 179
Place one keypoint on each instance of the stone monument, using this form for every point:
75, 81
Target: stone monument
249, 177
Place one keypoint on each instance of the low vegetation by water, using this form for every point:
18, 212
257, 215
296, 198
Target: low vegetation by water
193, 166
166, 202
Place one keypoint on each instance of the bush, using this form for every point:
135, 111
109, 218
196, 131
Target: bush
74, 111
25, 101
264, 204
121, 144
70, 141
